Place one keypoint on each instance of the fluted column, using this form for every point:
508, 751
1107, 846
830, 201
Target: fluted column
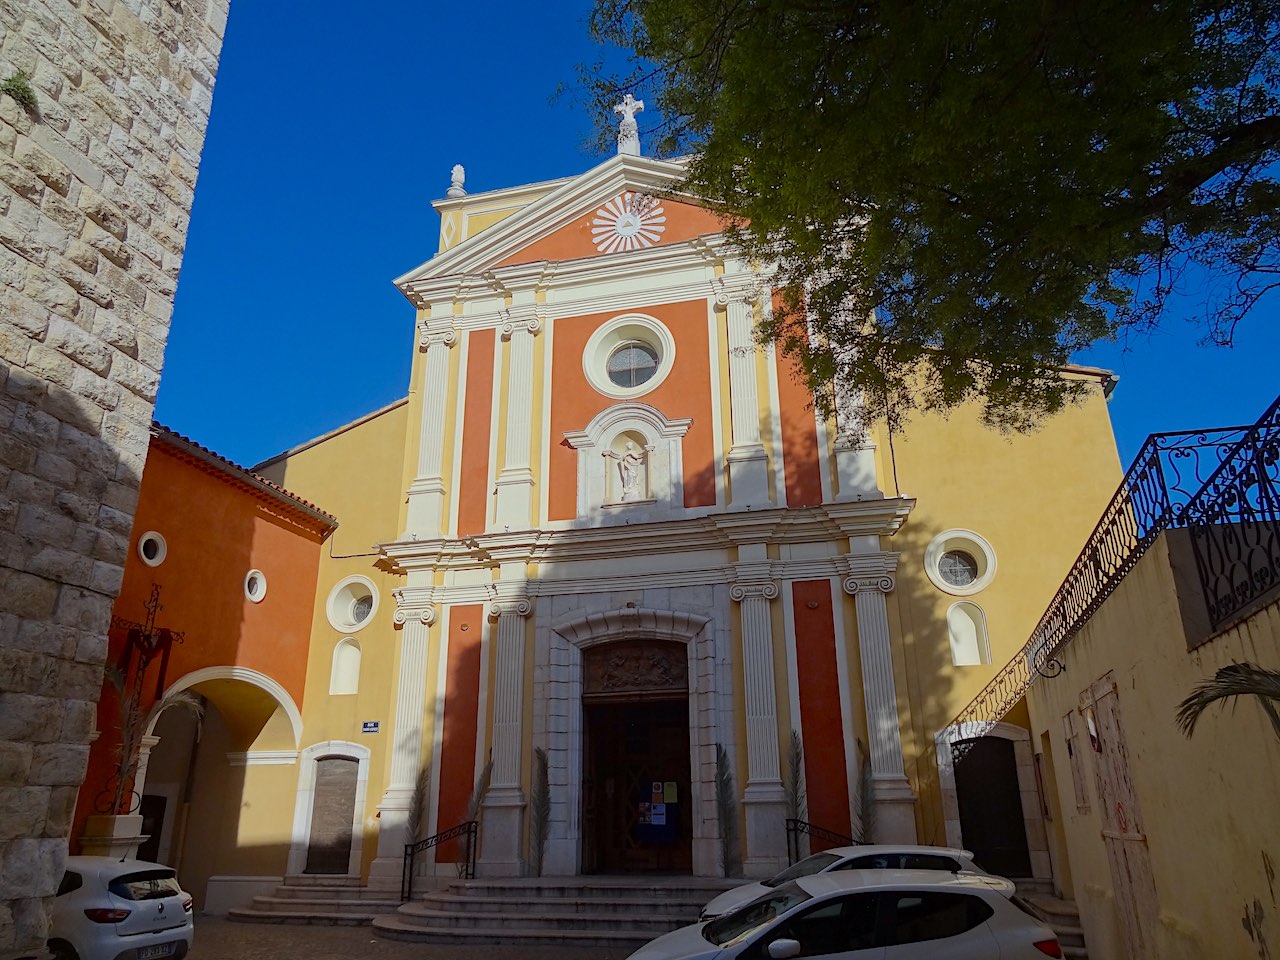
504, 803
764, 798
870, 580
415, 615
748, 462
427, 491
515, 481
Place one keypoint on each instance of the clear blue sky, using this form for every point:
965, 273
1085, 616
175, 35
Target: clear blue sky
333, 129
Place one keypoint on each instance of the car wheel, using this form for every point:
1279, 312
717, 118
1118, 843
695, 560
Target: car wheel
62, 950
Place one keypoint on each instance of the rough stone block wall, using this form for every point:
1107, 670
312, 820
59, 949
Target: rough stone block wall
95, 194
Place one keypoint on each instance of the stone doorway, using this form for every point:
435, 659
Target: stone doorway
991, 818
637, 803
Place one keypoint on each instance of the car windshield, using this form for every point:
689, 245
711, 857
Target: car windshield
145, 885
805, 868
744, 921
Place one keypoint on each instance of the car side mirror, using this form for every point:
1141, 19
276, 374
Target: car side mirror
784, 948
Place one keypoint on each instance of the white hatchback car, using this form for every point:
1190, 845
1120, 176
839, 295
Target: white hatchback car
869, 915
128, 909
871, 856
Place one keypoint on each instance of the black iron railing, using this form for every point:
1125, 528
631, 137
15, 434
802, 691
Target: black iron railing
1168, 473
470, 830
1234, 524
798, 828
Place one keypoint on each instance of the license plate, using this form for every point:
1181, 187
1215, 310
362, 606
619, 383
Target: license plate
159, 950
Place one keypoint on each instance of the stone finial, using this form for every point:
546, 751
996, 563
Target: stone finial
458, 177
628, 129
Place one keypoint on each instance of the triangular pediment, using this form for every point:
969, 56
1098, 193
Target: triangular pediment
623, 204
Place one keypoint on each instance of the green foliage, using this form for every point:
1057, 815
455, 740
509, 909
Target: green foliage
539, 812
727, 814
18, 86
793, 781
962, 195
1233, 680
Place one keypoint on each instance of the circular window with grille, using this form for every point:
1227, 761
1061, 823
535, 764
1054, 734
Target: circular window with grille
960, 562
629, 356
352, 604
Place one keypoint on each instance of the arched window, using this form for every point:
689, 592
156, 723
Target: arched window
345, 675
967, 626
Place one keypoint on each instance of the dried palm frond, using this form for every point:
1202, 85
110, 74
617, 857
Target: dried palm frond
415, 819
1233, 680
866, 825
727, 814
475, 806
794, 785
539, 812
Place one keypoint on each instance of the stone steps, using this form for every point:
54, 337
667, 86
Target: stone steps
336, 901
586, 911
1064, 918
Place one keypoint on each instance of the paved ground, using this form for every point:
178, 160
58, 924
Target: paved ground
218, 939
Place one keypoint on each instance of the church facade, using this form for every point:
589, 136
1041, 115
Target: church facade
614, 542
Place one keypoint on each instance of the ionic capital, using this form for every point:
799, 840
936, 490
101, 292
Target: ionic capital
519, 318
430, 334
412, 605
754, 590
745, 289
519, 607
856, 585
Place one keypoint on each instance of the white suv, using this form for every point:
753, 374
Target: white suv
107, 909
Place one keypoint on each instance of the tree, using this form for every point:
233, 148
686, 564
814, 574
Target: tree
959, 196
1231, 681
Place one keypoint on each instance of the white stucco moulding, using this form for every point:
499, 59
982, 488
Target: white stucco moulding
246, 675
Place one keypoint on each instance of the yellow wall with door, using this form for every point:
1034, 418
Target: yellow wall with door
1034, 498
1208, 804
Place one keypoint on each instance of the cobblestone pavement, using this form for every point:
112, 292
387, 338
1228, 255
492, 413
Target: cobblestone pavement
218, 939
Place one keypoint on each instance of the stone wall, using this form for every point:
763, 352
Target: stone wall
95, 195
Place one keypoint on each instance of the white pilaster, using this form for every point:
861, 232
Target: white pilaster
500, 845
426, 493
146, 744
854, 451
871, 578
764, 798
515, 482
415, 614
748, 462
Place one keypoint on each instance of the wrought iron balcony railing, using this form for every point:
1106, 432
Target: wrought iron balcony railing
1166, 476
1234, 524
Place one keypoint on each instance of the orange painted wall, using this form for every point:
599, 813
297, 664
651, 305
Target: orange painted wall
818, 678
800, 462
461, 709
215, 532
686, 392
473, 495
684, 222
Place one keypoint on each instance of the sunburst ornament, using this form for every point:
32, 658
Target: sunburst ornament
631, 221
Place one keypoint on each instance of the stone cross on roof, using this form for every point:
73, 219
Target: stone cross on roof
628, 129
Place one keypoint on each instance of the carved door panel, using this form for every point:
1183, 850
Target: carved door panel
1122, 829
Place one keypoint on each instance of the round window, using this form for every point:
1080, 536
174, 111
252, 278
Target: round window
152, 548
352, 604
632, 364
960, 562
958, 568
628, 356
255, 585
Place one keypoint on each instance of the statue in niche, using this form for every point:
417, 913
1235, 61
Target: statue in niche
632, 482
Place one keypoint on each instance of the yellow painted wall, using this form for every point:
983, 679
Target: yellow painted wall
357, 473
1035, 498
1208, 804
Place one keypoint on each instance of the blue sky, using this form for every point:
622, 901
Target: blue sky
331, 134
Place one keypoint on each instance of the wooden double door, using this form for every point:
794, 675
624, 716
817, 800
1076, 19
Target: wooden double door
638, 815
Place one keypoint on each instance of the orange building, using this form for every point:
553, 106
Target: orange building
215, 607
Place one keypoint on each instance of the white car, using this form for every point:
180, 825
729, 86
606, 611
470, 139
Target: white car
869, 915
107, 909
861, 857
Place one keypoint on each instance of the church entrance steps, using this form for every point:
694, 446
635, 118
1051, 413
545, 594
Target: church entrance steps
1034, 886
1064, 917
588, 911
339, 901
